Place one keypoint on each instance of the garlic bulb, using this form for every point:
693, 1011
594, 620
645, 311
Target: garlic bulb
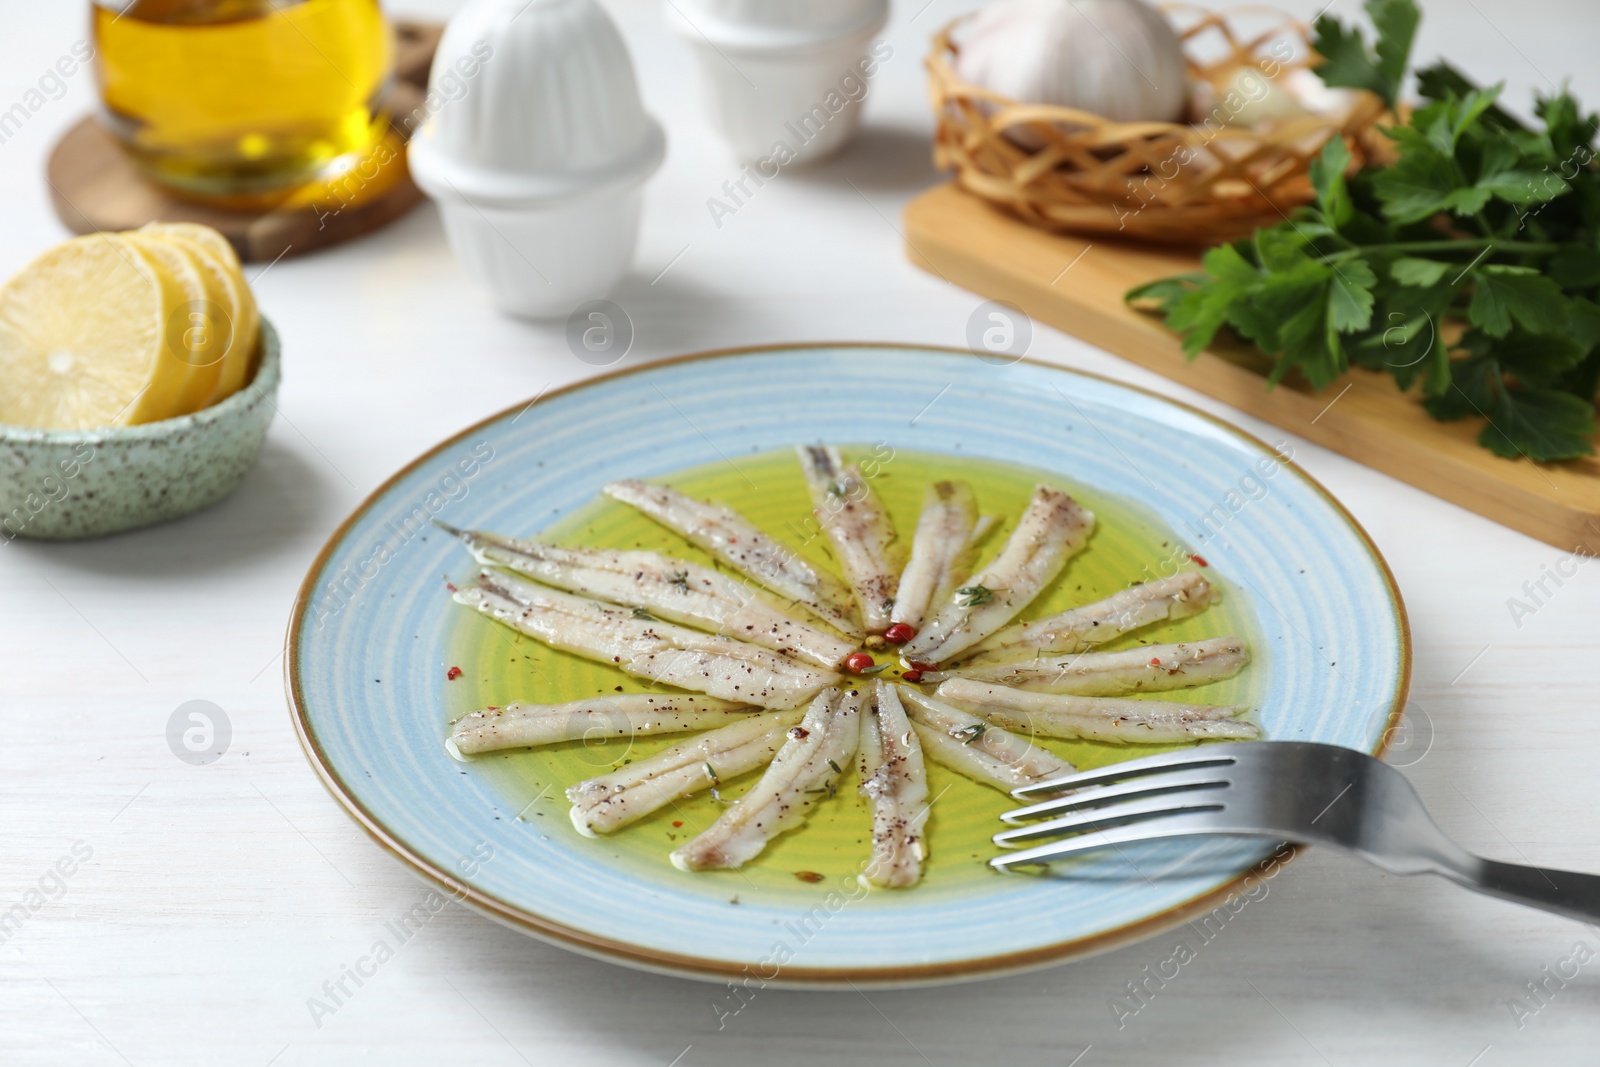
1115, 58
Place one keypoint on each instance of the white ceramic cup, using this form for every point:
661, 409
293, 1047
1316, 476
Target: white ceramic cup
804, 96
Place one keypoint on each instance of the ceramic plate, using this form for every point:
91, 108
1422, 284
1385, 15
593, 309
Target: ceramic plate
375, 635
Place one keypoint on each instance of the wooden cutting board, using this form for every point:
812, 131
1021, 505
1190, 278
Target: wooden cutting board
1077, 284
94, 186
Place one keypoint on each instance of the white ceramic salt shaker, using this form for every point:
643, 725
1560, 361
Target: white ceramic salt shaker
783, 79
536, 150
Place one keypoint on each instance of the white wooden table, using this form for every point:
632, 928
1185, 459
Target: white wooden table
214, 901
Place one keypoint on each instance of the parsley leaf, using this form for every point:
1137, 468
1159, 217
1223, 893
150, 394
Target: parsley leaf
1346, 62
1473, 384
1164, 293
1569, 132
1541, 424
1535, 360
1327, 178
1442, 81
1418, 273
1584, 316
1522, 186
1424, 182
1396, 22
1575, 268
1501, 293
1350, 296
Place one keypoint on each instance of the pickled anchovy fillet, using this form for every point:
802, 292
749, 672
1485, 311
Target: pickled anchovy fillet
859, 528
610, 801
672, 589
1148, 668
806, 769
646, 648
1078, 629
894, 781
974, 747
946, 541
624, 715
736, 541
1052, 529
1119, 719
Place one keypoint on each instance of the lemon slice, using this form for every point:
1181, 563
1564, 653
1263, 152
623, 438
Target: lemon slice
243, 321
82, 333
215, 253
204, 236
198, 329
239, 367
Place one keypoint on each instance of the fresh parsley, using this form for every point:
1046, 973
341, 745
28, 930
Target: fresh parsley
1469, 267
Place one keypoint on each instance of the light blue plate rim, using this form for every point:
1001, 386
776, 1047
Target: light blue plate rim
654, 958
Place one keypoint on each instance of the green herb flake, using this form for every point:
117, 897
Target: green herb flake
973, 595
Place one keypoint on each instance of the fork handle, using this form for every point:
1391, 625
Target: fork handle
1568, 893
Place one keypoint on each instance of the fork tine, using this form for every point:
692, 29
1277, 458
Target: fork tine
1166, 761
1149, 785
1094, 818
1182, 825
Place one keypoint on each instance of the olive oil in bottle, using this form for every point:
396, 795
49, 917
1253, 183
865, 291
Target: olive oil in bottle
241, 100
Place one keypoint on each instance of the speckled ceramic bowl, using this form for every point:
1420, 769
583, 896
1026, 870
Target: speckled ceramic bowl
63, 484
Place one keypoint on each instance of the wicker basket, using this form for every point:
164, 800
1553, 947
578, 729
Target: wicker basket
1205, 182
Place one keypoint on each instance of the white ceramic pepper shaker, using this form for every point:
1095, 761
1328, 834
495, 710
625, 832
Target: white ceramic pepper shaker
784, 79
537, 150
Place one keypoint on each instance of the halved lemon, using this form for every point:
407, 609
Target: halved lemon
82, 338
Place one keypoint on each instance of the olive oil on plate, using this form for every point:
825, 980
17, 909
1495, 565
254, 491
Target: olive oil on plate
500, 666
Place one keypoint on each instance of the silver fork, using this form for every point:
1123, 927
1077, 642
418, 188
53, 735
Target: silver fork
1283, 790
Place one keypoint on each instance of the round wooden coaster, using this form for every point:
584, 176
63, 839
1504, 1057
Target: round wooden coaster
94, 186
